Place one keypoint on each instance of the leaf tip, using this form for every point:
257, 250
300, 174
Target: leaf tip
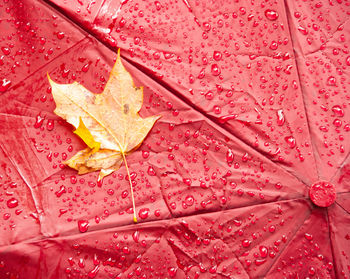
118, 61
103, 173
70, 163
48, 77
52, 83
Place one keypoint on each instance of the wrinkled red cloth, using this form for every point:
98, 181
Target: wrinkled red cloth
247, 173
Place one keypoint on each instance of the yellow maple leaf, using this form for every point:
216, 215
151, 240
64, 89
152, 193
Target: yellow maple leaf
109, 123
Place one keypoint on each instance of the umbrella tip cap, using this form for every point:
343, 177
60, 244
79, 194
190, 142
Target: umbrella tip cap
322, 193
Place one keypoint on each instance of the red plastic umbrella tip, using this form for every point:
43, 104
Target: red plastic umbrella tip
322, 193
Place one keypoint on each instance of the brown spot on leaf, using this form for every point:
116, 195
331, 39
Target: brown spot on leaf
126, 108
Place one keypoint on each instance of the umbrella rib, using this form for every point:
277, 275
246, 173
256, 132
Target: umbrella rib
330, 241
342, 207
314, 149
126, 226
340, 168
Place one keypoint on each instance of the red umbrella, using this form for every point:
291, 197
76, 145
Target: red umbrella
246, 175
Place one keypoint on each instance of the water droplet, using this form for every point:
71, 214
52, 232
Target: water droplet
246, 243
12, 203
4, 85
85, 68
73, 179
61, 191
136, 236
263, 251
312, 270
280, 117
50, 125
337, 123
308, 236
145, 154
6, 50
259, 262
157, 213
273, 45
189, 200
215, 70
271, 14
93, 273
303, 30
331, 81
348, 60
158, 5
278, 186
60, 35
191, 78
206, 26
338, 111
187, 181
217, 55
229, 157
151, 171
83, 225
291, 141
143, 213
125, 194
6, 216
224, 119
245, 157
201, 74
172, 271
217, 109
209, 95
38, 121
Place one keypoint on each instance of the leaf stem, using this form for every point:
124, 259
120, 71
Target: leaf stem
132, 191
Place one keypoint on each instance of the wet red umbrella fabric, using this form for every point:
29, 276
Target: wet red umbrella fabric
247, 173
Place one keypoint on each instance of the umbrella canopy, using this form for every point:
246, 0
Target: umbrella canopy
247, 173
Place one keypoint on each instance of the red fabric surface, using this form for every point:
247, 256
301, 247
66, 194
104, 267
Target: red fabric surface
255, 110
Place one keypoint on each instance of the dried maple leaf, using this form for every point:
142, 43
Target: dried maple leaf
109, 123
